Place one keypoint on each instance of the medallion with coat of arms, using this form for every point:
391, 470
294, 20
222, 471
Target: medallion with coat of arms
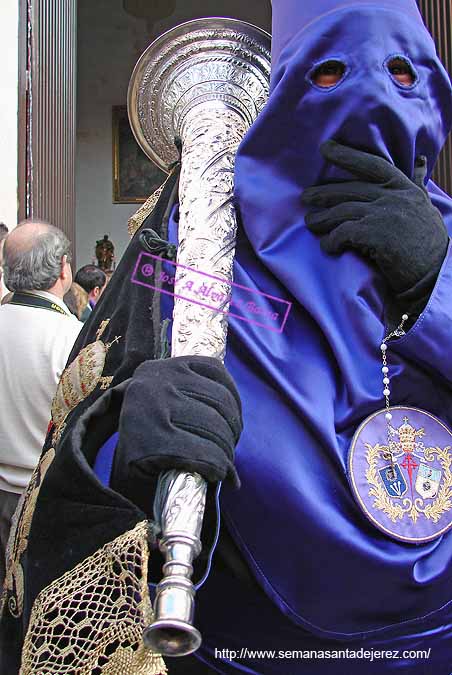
79, 379
400, 473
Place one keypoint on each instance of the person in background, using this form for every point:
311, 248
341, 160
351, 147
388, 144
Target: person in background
93, 280
71, 302
3, 234
108, 274
76, 299
37, 333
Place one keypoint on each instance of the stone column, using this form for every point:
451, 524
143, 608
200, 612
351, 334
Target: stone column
438, 18
52, 113
9, 27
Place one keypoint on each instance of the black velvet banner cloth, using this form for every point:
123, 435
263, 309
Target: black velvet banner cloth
75, 515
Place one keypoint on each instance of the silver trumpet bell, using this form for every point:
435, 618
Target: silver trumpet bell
204, 83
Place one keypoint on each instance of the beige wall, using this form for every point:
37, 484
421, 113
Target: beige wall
109, 43
9, 20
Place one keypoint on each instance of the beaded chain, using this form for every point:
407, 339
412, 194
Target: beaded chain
398, 332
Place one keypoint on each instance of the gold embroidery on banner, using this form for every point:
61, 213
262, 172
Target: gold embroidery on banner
102, 328
412, 508
18, 542
90, 621
80, 379
137, 219
105, 382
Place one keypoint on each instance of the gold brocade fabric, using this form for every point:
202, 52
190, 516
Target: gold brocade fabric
137, 219
80, 379
90, 621
18, 539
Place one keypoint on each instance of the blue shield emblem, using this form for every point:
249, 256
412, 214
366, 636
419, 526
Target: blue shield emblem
393, 480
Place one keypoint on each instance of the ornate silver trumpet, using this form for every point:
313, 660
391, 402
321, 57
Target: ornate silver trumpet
203, 82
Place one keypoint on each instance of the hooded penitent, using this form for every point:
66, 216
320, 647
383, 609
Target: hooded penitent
307, 390
327, 570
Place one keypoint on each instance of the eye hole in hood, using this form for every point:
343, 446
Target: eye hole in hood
327, 74
402, 71
331, 72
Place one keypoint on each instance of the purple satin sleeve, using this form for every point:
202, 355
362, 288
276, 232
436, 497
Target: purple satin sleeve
103, 466
104, 460
429, 342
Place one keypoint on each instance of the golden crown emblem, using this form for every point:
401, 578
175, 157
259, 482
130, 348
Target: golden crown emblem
407, 435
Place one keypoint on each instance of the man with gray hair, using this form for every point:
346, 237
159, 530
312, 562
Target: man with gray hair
37, 333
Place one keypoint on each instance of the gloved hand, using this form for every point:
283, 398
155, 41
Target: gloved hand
384, 216
178, 413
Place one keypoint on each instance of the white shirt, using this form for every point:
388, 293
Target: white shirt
34, 346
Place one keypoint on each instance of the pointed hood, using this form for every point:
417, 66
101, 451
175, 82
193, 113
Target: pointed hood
291, 17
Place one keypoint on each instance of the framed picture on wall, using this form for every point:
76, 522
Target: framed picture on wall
135, 177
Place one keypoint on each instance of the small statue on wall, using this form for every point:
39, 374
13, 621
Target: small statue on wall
105, 253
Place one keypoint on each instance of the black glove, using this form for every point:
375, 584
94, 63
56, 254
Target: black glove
384, 216
178, 413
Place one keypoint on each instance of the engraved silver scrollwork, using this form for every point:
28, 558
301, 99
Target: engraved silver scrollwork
179, 503
205, 59
204, 83
207, 226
